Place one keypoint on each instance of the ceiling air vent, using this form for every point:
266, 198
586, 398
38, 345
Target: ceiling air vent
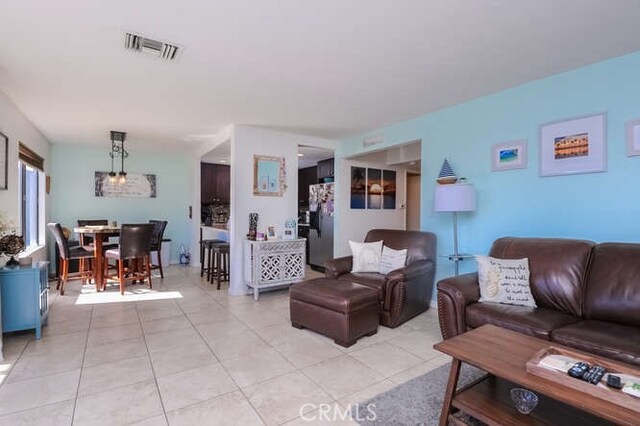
138, 43
372, 140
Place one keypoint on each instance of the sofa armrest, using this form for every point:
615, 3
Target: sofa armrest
454, 295
338, 266
410, 279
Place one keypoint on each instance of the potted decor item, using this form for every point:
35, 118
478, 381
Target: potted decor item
12, 245
253, 226
446, 175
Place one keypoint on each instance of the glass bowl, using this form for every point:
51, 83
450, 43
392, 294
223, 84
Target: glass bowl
524, 400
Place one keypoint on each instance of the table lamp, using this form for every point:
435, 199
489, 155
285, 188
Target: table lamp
455, 198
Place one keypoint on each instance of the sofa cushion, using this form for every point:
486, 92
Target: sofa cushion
612, 288
366, 256
601, 338
419, 245
537, 322
557, 269
370, 279
504, 281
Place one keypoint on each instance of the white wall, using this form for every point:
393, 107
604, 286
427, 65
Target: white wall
354, 224
18, 128
247, 141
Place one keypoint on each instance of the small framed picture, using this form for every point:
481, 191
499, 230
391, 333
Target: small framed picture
633, 138
289, 234
577, 145
271, 232
509, 155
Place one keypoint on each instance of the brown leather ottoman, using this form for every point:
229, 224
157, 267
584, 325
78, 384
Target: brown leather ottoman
340, 309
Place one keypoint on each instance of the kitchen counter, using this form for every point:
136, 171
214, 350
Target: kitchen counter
217, 231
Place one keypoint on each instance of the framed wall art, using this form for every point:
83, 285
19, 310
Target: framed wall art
389, 189
358, 187
4, 161
374, 189
268, 176
138, 185
633, 138
509, 155
577, 145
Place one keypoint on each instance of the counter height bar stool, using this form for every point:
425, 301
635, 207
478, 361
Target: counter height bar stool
67, 254
159, 227
206, 251
135, 241
221, 263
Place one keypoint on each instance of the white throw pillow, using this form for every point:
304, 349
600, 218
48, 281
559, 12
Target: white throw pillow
366, 256
505, 281
392, 259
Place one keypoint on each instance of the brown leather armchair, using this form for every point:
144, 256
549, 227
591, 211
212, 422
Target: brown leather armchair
403, 293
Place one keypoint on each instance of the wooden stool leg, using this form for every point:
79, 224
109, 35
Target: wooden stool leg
227, 266
83, 280
160, 263
121, 275
65, 275
148, 262
210, 262
214, 265
201, 259
219, 267
60, 268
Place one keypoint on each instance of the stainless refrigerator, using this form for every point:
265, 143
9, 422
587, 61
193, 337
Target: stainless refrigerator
321, 197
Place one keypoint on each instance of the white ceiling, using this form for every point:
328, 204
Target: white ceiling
330, 68
311, 155
221, 154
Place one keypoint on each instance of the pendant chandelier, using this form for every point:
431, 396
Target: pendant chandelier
117, 150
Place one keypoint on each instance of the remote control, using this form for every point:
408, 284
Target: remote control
614, 381
578, 369
594, 375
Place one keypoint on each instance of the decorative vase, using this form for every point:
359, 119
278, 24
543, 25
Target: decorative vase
253, 226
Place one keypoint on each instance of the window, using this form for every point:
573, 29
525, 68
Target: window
30, 168
30, 196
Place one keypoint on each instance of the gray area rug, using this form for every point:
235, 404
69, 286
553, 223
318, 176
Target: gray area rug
417, 402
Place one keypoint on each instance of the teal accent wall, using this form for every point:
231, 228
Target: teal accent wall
72, 190
598, 206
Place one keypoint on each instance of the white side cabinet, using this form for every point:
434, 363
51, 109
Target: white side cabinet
273, 263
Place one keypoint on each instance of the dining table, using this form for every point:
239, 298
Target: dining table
99, 233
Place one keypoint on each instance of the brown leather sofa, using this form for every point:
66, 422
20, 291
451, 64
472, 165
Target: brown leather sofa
588, 296
403, 293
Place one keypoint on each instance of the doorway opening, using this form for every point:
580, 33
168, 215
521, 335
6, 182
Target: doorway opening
316, 195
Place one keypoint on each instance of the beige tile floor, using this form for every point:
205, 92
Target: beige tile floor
187, 354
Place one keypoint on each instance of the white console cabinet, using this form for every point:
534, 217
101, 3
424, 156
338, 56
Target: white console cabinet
273, 263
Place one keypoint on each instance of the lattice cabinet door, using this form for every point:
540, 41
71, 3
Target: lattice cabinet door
273, 263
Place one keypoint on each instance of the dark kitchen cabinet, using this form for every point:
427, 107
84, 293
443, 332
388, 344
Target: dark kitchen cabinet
307, 176
215, 183
325, 169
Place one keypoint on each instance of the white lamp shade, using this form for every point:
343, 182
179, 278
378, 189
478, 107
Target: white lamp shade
455, 198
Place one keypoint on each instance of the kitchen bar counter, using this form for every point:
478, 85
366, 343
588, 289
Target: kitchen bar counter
217, 231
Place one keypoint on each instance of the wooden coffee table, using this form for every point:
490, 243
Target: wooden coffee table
503, 354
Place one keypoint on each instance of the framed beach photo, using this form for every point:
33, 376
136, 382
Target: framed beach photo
577, 145
509, 155
633, 138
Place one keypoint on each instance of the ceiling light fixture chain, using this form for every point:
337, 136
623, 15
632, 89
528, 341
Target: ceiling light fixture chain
118, 150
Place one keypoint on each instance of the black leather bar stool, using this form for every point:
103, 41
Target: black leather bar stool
222, 263
206, 256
